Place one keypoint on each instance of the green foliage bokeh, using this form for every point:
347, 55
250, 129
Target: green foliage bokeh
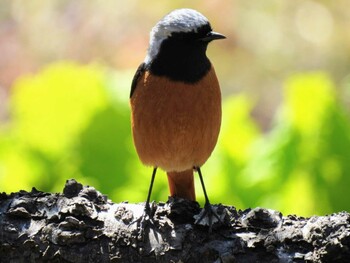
72, 121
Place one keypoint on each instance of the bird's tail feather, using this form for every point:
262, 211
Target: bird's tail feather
181, 184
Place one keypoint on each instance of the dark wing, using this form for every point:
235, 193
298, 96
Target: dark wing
140, 70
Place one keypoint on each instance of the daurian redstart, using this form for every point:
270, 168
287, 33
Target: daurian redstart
176, 101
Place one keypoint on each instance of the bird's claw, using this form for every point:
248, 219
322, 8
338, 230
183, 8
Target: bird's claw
210, 215
144, 222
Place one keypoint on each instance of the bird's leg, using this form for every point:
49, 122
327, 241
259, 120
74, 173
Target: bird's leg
146, 216
208, 209
147, 206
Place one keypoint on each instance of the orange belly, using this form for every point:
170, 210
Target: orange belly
175, 125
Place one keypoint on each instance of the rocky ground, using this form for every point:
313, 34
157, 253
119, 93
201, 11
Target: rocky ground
82, 225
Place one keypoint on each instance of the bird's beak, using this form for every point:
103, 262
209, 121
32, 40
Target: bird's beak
212, 36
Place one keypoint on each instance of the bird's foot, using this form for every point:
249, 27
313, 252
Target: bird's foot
208, 216
144, 222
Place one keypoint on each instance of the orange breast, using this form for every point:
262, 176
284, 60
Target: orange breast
175, 125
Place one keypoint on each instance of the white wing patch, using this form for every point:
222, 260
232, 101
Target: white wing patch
180, 20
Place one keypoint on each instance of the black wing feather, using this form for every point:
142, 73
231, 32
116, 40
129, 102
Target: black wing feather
140, 70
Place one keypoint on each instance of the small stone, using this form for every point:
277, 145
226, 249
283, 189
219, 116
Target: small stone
262, 218
72, 188
19, 212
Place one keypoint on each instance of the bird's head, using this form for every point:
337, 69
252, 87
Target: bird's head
182, 24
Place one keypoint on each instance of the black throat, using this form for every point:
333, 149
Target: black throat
182, 57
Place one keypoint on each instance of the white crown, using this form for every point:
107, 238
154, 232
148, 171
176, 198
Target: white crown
180, 20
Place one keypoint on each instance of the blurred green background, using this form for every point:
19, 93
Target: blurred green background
65, 74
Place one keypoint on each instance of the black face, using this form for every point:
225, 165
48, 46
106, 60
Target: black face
182, 56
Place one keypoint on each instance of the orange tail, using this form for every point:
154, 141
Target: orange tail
181, 184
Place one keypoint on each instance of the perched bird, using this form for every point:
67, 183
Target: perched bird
176, 102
